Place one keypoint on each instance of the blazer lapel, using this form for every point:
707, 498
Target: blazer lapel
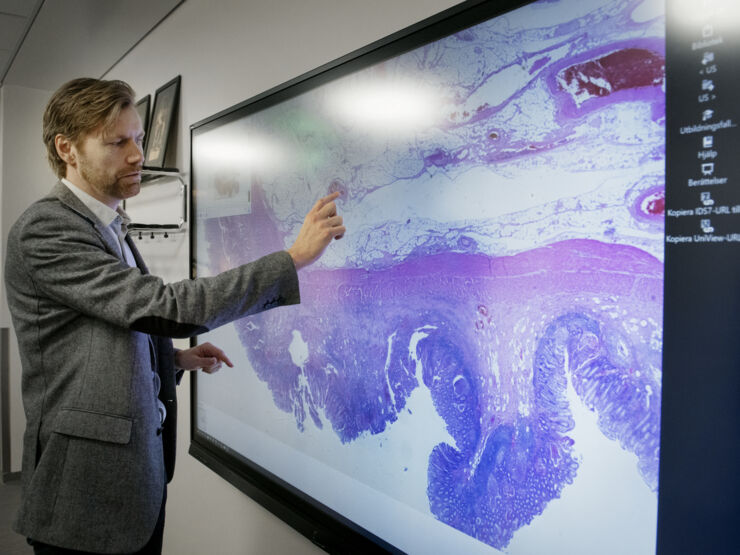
69, 199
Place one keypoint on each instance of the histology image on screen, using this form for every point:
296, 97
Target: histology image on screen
483, 347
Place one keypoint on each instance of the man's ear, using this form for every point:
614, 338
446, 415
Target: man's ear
65, 149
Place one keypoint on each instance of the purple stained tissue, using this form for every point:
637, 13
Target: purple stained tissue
503, 258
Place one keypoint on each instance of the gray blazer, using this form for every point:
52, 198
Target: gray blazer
91, 331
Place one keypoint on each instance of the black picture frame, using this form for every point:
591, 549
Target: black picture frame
166, 100
143, 107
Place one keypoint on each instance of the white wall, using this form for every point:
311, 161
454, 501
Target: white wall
25, 177
226, 52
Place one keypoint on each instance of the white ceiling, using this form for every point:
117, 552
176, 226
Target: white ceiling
44, 43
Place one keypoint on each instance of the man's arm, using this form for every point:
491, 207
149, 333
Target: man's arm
54, 252
66, 261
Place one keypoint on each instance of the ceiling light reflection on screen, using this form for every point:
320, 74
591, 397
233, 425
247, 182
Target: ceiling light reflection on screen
255, 154
692, 14
400, 107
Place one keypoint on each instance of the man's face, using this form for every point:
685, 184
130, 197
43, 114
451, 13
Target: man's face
109, 160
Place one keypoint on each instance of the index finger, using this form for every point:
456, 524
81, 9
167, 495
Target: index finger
222, 356
325, 200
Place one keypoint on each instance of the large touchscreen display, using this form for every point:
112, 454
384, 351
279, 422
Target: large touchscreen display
477, 363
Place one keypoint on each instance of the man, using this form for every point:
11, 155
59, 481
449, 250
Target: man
99, 370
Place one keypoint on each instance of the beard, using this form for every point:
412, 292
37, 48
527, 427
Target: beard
116, 186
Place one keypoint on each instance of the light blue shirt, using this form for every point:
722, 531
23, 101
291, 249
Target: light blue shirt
111, 220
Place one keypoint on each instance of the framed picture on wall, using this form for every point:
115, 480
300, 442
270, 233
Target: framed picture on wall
165, 107
142, 107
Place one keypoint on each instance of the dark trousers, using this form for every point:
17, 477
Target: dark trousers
153, 546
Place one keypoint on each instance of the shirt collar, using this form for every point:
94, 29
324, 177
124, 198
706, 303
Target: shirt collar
102, 212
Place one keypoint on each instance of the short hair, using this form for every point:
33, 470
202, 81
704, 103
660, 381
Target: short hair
79, 107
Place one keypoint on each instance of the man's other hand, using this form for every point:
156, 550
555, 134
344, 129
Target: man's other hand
320, 226
205, 356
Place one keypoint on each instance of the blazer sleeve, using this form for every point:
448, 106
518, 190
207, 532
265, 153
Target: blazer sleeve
65, 259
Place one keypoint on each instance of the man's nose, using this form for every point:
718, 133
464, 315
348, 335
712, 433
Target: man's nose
136, 153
